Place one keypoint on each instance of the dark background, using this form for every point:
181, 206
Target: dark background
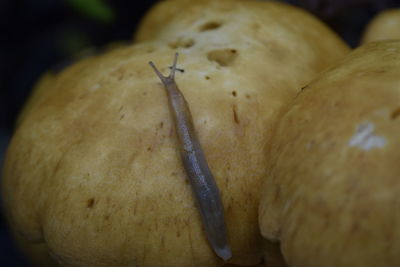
38, 35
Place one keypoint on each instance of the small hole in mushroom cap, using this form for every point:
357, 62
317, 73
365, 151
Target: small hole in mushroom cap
211, 25
91, 202
395, 113
224, 57
181, 43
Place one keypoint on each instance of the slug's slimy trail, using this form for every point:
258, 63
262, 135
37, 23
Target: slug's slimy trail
202, 181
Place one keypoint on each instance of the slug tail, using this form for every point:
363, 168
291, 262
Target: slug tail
224, 253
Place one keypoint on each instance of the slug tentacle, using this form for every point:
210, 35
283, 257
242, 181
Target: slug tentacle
171, 76
201, 179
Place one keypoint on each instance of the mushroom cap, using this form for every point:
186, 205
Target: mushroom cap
93, 169
332, 191
385, 26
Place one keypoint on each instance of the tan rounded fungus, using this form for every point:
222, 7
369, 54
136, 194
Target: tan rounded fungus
384, 26
331, 195
93, 169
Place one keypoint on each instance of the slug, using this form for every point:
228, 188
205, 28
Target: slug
201, 179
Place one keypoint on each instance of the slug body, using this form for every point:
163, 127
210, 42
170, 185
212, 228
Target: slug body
202, 181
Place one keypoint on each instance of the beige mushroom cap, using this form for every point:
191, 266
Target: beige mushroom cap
93, 170
385, 26
332, 193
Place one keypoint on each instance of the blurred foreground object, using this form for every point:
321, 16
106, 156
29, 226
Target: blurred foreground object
385, 26
332, 193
